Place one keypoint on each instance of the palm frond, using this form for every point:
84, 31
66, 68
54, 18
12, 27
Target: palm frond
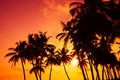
14, 59
49, 37
42, 69
75, 3
11, 49
63, 25
60, 36
50, 45
37, 68
32, 70
44, 33
58, 51
47, 62
10, 54
72, 12
30, 38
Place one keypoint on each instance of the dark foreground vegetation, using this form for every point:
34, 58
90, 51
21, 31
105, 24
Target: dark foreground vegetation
93, 28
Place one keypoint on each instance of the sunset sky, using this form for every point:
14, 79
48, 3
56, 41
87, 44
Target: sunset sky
18, 18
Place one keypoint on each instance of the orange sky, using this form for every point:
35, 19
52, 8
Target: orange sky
18, 18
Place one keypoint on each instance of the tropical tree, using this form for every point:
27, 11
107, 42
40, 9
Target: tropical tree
51, 59
38, 68
92, 30
18, 53
31, 54
64, 58
37, 51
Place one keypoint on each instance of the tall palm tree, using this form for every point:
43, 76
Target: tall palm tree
37, 50
92, 22
30, 54
18, 54
83, 61
64, 58
51, 59
38, 68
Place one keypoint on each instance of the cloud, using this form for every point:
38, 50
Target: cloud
55, 6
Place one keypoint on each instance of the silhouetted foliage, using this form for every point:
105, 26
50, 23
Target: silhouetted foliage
37, 50
93, 28
64, 58
18, 53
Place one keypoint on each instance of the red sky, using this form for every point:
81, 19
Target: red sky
18, 18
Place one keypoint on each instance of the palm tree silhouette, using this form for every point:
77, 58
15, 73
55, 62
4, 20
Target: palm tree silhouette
51, 59
64, 58
31, 54
93, 28
37, 51
38, 68
92, 23
18, 54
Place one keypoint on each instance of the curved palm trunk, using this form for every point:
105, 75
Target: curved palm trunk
35, 71
118, 72
50, 72
108, 72
66, 71
81, 67
98, 75
111, 76
103, 73
83, 72
91, 68
40, 73
23, 69
86, 74
114, 72
106, 75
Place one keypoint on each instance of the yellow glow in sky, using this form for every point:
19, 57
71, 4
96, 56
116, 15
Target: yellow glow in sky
74, 62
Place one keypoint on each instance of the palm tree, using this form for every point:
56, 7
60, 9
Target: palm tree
18, 54
64, 58
92, 22
37, 51
32, 59
51, 59
38, 68
83, 61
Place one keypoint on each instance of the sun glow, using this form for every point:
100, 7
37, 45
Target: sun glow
74, 62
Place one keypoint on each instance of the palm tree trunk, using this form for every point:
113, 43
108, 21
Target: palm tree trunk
23, 69
86, 74
66, 71
108, 72
118, 72
98, 75
50, 72
35, 71
103, 73
114, 72
83, 72
40, 73
106, 75
81, 67
91, 68
111, 76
